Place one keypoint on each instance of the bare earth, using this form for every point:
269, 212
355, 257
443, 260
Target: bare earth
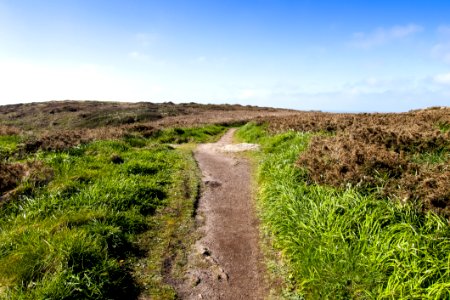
226, 262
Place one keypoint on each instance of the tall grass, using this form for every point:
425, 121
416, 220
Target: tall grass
105, 224
73, 238
339, 244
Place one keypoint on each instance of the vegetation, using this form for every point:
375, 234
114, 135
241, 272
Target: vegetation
405, 157
100, 220
189, 135
97, 198
341, 242
70, 115
61, 125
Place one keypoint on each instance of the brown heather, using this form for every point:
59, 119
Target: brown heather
335, 123
379, 153
20, 178
10, 176
339, 161
9, 130
63, 115
66, 139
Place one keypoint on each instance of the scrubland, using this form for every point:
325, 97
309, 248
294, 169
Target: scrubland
356, 206
97, 199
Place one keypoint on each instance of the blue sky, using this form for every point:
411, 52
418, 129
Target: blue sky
311, 55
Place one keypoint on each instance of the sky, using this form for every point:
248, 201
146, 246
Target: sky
343, 56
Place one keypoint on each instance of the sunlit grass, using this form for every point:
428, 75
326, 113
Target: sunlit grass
8, 145
202, 134
339, 244
102, 228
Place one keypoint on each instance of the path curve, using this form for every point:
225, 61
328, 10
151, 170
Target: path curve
226, 262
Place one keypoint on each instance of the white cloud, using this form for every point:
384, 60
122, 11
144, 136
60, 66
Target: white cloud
388, 101
200, 59
441, 50
146, 58
253, 94
374, 85
382, 35
442, 79
23, 82
145, 39
444, 30
138, 56
398, 32
370, 94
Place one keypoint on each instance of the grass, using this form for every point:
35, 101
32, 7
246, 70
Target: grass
8, 145
436, 157
340, 244
444, 126
172, 234
209, 133
114, 222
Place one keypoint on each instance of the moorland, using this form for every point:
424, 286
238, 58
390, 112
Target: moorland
98, 198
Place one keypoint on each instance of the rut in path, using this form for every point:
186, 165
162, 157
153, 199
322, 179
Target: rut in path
226, 262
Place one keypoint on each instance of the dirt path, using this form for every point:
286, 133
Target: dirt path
226, 262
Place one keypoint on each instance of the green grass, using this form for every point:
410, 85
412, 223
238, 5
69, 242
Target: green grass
115, 219
437, 157
209, 133
444, 127
343, 245
8, 145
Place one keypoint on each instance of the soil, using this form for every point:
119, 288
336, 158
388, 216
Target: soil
226, 263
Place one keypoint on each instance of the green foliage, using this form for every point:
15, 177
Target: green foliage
252, 133
436, 157
77, 237
341, 244
203, 134
8, 145
444, 126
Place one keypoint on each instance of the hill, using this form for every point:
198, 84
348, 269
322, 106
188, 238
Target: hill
57, 115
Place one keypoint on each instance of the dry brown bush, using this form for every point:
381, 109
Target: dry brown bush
9, 130
13, 175
144, 129
427, 119
430, 186
340, 162
413, 138
66, 139
376, 153
10, 176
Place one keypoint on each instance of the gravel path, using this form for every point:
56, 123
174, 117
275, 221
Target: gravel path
226, 262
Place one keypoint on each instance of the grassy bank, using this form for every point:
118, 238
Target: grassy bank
111, 220
339, 243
